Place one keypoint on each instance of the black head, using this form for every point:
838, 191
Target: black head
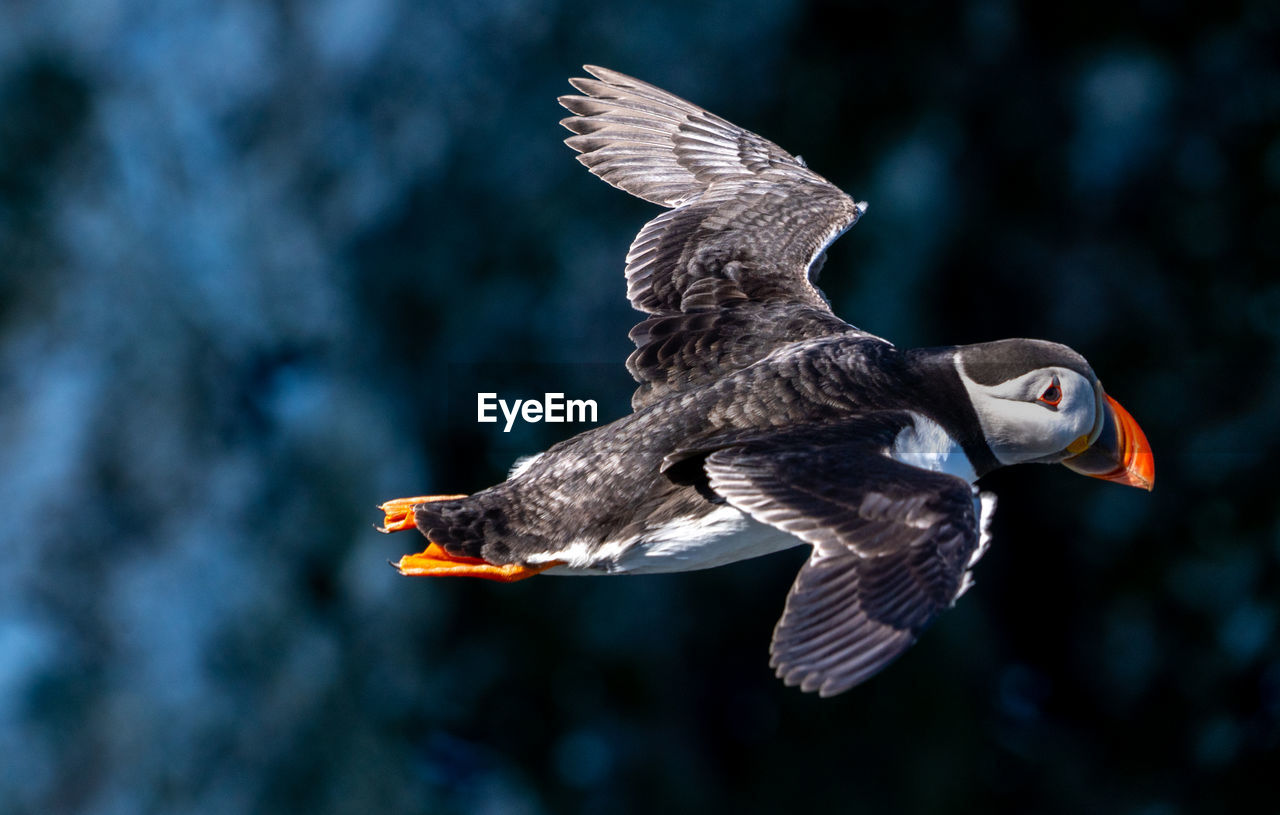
1035, 400
1041, 401
991, 363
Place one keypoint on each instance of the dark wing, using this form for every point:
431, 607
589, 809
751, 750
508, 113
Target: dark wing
892, 545
728, 274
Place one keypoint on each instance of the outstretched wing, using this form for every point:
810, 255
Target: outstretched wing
892, 544
728, 273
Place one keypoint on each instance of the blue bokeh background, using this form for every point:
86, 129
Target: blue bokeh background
256, 259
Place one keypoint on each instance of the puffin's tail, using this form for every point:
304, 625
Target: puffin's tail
426, 512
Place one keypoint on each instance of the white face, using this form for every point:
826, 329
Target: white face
1036, 416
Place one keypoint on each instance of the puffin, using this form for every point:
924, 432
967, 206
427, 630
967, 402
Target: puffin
762, 421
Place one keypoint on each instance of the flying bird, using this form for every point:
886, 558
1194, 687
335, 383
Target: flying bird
763, 421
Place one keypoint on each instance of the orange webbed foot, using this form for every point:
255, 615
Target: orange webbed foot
436, 562
399, 511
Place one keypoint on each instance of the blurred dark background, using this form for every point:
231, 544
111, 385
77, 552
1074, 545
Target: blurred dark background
256, 259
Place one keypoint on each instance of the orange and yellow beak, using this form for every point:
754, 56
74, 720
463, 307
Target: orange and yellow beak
1120, 452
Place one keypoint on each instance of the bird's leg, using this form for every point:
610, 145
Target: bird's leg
399, 511
436, 562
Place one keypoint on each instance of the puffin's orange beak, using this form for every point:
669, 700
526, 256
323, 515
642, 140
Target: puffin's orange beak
1119, 453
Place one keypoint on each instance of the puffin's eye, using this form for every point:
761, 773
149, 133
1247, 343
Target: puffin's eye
1052, 395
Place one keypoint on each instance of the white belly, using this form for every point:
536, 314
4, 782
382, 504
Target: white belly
725, 536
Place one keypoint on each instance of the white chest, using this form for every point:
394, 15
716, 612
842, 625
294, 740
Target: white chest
927, 446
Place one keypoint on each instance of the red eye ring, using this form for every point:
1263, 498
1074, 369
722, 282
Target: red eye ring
1052, 395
